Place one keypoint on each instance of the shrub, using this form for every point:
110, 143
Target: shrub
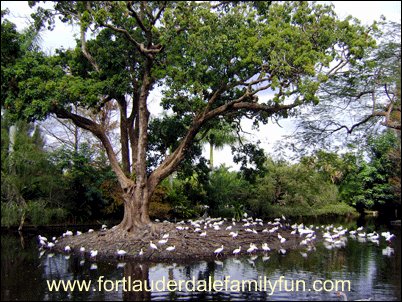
10, 214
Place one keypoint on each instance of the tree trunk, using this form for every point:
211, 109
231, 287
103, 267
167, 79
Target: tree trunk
136, 209
211, 156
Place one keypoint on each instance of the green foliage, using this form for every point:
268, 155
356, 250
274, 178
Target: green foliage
11, 214
185, 196
39, 213
252, 159
238, 209
163, 139
338, 209
224, 193
219, 134
159, 206
297, 189
162, 210
46, 187
369, 185
218, 42
27, 171
88, 183
113, 194
330, 165
226, 190
10, 41
30, 186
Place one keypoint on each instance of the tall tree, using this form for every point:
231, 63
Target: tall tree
361, 101
212, 59
14, 45
221, 135
375, 184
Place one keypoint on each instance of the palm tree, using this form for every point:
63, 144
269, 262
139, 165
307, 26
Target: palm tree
218, 137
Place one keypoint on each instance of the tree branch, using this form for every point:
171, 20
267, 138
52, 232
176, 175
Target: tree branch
136, 17
158, 14
125, 153
93, 127
85, 50
148, 52
84, 44
337, 67
174, 159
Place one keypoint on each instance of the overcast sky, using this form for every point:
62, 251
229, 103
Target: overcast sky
63, 35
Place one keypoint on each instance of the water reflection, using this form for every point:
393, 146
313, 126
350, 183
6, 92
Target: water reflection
25, 273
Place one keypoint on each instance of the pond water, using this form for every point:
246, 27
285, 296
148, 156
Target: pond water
366, 269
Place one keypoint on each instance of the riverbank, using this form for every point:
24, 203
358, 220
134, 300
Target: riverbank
193, 240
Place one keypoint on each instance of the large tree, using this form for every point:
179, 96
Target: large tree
361, 101
213, 60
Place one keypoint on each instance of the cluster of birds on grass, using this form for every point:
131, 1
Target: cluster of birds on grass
333, 237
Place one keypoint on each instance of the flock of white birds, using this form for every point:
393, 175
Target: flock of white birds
333, 237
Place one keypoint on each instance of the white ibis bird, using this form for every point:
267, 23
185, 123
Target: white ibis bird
252, 248
121, 253
389, 238
93, 254
237, 251
42, 238
265, 258
171, 248
218, 250
41, 254
68, 233
282, 251
303, 242
388, 251
234, 234
162, 241
67, 249
265, 247
152, 245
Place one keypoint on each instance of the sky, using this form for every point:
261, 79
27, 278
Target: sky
63, 35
